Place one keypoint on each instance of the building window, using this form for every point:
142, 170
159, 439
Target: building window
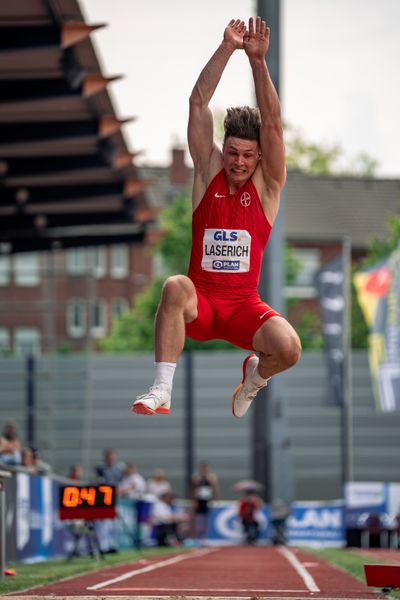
309, 260
119, 261
27, 341
76, 317
118, 307
27, 269
97, 258
5, 269
4, 340
98, 323
76, 261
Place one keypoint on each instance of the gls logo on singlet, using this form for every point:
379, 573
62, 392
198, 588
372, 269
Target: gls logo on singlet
225, 235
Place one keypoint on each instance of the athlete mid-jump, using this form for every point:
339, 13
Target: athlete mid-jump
235, 202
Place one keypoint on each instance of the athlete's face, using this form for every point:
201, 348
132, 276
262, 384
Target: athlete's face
240, 160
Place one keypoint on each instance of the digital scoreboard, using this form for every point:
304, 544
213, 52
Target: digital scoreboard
87, 502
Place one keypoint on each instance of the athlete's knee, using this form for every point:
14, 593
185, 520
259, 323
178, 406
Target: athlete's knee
177, 290
289, 352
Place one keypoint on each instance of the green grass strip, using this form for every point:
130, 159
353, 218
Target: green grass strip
41, 573
349, 561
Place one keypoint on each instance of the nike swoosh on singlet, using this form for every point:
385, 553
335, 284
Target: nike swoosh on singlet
217, 195
263, 315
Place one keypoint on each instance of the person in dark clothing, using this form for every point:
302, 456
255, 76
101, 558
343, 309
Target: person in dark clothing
249, 505
205, 489
110, 473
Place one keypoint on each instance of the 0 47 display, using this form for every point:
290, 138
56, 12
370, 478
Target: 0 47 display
87, 502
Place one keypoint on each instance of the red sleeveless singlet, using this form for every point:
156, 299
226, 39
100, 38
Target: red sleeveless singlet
229, 235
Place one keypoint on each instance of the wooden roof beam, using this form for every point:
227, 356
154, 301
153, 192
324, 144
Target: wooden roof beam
53, 194
48, 95
30, 38
56, 138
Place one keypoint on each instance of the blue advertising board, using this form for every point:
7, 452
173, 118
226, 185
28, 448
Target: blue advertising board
224, 524
316, 524
37, 528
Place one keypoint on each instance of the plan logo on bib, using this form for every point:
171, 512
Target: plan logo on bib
245, 199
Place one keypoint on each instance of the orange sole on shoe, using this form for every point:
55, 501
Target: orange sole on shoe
239, 387
142, 409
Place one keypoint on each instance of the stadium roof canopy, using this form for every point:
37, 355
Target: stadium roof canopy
67, 177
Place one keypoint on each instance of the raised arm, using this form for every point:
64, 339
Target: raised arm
200, 126
256, 44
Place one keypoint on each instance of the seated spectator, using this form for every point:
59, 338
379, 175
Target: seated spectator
76, 472
280, 513
27, 460
167, 521
133, 485
158, 483
10, 445
41, 466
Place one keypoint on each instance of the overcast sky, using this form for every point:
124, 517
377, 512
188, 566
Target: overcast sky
340, 75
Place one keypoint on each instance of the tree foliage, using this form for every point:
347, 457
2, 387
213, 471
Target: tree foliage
324, 158
380, 249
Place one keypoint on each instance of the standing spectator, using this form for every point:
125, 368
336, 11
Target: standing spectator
10, 445
249, 506
133, 485
108, 472
158, 483
205, 489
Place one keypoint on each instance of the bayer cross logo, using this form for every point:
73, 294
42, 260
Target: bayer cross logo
245, 199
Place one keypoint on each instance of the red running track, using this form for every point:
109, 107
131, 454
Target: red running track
236, 572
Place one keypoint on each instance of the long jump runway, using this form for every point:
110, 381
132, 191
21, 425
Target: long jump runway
229, 572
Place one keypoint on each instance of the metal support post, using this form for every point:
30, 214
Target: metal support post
30, 401
3, 522
347, 400
189, 422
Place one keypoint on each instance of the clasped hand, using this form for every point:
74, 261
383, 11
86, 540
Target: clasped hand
254, 39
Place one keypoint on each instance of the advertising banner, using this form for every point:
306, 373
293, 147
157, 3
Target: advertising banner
330, 285
371, 497
38, 532
224, 525
317, 524
362, 498
378, 290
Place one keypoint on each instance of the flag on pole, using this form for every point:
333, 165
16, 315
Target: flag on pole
330, 283
378, 292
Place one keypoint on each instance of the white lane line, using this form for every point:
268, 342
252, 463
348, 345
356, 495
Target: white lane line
151, 567
209, 590
304, 574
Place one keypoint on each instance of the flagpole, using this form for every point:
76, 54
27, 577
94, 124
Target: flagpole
347, 403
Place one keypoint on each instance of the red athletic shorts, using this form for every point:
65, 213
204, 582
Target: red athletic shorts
233, 320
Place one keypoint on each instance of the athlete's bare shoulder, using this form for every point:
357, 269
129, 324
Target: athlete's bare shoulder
268, 194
